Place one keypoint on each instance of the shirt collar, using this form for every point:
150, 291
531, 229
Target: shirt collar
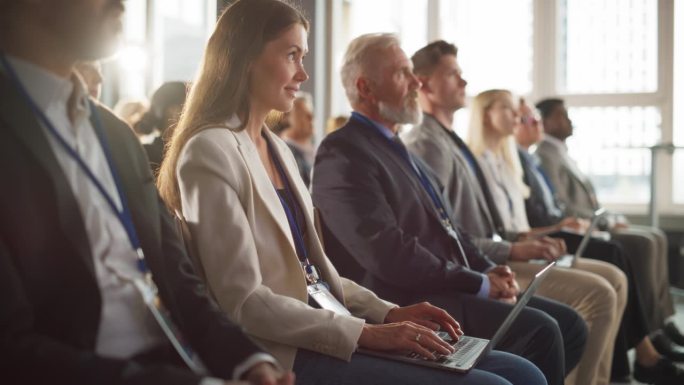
386, 132
559, 144
47, 89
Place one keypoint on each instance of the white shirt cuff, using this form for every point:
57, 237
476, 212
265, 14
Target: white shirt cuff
484, 288
212, 381
241, 369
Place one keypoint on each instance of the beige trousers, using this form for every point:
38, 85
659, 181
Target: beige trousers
646, 249
598, 292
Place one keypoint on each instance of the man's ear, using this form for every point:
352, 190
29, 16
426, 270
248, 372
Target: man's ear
425, 84
363, 86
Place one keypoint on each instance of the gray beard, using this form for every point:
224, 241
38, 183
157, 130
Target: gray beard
408, 115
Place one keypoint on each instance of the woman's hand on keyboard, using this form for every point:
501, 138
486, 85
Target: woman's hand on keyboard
404, 336
426, 315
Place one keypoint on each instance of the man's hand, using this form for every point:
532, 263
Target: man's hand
578, 224
503, 285
265, 373
426, 315
542, 248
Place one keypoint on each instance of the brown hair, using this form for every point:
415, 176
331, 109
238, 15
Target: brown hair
426, 59
221, 88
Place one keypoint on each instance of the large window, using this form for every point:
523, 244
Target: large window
678, 103
163, 41
611, 60
407, 18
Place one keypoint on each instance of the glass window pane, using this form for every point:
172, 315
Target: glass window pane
608, 46
678, 128
183, 35
495, 48
609, 145
406, 18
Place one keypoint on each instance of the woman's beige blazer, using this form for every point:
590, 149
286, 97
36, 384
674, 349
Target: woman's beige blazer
241, 241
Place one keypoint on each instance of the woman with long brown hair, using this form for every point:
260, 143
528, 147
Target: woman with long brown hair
251, 227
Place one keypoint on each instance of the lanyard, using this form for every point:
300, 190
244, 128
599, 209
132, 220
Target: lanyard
424, 181
148, 289
124, 215
310, 270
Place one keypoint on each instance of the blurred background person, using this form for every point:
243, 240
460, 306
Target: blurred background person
335, 122
131, 110
91, 72
297, 130
157, 123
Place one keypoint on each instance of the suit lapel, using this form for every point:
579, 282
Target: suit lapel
384, 148
262, 184
132, 182
440, 132
22, 123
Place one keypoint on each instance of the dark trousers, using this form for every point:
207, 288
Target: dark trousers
549, 334
633, 326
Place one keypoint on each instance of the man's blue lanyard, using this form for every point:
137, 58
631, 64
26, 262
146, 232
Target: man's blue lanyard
424, 181
124, 215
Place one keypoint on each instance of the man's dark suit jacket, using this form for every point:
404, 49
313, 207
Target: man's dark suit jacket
379, 224
539, 214
50, 302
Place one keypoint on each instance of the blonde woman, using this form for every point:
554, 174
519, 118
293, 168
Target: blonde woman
597, 290
251, 227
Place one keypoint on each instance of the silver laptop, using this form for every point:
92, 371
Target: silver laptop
569, 260
469, 350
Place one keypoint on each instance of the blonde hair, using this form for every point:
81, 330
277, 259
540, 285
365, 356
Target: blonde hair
478, 135
221, 88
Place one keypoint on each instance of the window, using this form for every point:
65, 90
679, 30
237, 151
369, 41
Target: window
678, 119
608, 73
608, 46
407, 18
609, 143
494, 48
610, 60
162, 41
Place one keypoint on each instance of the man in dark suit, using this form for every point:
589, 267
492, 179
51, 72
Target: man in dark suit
386, 225
71, 309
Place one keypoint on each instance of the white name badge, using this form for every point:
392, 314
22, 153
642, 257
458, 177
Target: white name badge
324, 298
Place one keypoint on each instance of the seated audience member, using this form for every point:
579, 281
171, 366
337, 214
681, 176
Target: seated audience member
91, 72
599, 300
250, 221
130, 110
87, 248
335, 123
386, 225
645, 247
298, 134
158, 122
541, 203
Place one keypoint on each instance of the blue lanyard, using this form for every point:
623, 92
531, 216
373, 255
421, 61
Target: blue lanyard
296, 231
424, 181
124, 215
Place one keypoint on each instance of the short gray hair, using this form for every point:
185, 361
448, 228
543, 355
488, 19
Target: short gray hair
357, 59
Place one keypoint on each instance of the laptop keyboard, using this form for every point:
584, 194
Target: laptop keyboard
464, 351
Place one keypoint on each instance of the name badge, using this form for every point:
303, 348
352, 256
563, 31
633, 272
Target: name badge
149, 295
319, 292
